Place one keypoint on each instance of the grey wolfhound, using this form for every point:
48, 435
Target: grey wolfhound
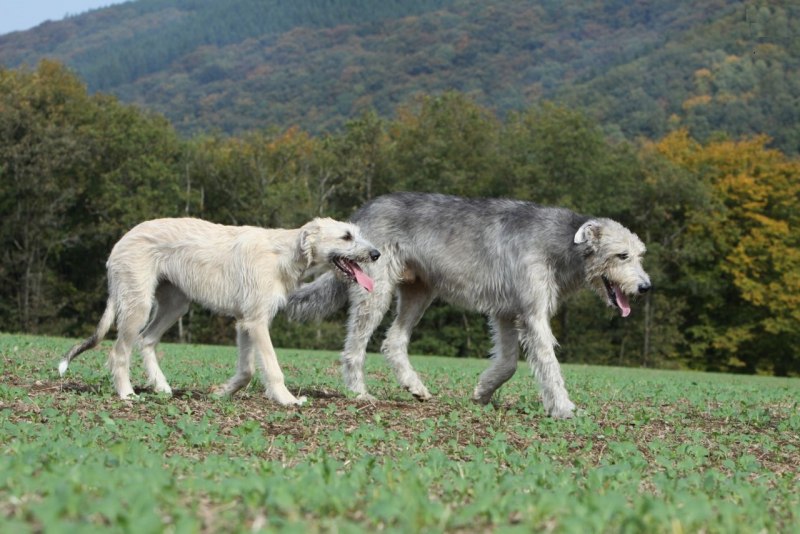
509, 259
159, 266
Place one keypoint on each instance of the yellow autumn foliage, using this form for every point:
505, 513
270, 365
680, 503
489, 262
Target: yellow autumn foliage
755, 229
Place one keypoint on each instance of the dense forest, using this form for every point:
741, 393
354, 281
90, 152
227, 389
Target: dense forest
719, 215
640, 68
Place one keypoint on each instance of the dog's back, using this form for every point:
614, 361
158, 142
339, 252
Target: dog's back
474, 253
236, 261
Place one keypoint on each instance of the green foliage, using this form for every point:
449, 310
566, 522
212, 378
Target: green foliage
261, 179
239, 65
76, 171
750, 255
209, 23
447, 145
653, 451
729, 73
359, 159
79, 170
559, 156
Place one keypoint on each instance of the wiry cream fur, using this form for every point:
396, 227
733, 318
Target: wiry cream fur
246, 272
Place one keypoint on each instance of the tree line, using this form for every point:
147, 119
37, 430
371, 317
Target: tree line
719, 217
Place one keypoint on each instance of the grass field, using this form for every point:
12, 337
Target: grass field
652, 452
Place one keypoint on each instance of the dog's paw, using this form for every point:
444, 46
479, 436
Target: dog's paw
483, 401
420, 392
567, 411
294, 401
164, 389
364, 396
479, 397
285, 398
130, 397
220, 391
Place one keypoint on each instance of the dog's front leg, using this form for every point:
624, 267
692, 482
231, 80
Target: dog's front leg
539, 344
271, 373
412, 301
366, 312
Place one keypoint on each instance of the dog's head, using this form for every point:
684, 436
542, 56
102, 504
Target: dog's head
325, 241
613, 256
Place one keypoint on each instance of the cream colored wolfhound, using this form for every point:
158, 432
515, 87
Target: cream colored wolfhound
159, 266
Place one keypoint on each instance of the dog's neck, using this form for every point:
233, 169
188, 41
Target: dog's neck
571, 270
296, 269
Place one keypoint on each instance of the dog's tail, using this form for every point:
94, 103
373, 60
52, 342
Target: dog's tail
100, 332
318, 299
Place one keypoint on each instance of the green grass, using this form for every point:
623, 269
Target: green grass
653, 451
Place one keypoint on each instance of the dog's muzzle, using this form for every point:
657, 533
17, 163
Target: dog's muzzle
352, 270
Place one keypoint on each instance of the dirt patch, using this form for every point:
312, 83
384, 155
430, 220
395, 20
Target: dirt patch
403, 421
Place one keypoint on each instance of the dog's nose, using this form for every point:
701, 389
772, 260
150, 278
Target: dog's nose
644, 288
374, 254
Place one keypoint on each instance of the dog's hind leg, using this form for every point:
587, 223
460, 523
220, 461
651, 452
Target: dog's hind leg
366, 312
413, 299
505, 354
132, 317
271, 374
245, 365
539, 343
171, 304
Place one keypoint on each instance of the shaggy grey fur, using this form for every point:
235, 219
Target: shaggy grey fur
509, 259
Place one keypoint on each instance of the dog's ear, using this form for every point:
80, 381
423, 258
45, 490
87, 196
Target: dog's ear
589, 233
309, 234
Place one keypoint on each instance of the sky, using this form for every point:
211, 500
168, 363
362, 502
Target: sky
17, 15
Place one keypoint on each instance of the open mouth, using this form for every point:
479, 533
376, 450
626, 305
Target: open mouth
616, 297
353, 271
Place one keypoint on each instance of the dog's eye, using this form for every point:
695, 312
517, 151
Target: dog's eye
348, 236
623, 256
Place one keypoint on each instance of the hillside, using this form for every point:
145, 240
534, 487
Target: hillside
639, 68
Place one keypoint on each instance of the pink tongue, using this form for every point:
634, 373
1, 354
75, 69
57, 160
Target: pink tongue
362, 278
622, 301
